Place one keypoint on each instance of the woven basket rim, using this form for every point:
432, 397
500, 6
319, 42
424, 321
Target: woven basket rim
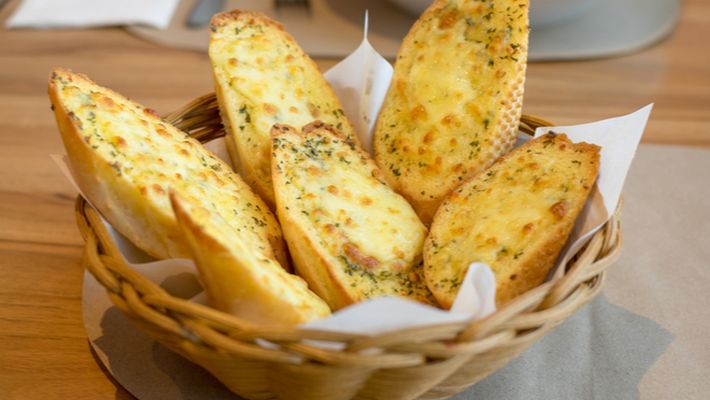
525, 318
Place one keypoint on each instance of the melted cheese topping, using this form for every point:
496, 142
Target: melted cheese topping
503, 216
154, 157
454, 84
242, 280
265, 78
368, 233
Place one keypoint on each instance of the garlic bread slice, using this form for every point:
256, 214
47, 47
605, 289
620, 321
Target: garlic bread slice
455, 99
262, 77
351, 236
239, 278
125, 158
515, 217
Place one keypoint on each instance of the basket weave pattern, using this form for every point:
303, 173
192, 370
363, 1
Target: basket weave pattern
431, 362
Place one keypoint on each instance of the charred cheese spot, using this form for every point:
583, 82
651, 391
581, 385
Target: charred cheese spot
269, 108
107, 102
160, 130
418, 112
158, 189
356, 255
528, 227
151, 113
559, 209
118, 141
365, 201
449, 18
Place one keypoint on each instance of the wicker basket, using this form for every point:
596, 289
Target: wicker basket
429, 362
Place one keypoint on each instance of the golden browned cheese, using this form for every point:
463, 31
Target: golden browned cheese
455, 100
239, 278
262, 77
515, 217
351, 236
126, 158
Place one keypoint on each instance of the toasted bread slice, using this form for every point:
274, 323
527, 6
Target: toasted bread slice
125, 158
262, 77
238, 278
455, 100
351, 236
515, 217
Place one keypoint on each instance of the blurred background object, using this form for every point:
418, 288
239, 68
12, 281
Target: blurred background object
542, 12
46, 14
582, 29
202, 11
549, 12
560, 29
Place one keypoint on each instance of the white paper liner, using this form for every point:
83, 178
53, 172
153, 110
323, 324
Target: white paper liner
361, 81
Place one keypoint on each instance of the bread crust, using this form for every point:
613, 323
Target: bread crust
238, 278
102, 187
432, 136
516, 217
131, 192
245, 108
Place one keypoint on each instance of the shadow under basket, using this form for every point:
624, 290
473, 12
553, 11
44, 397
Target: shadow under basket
432, 362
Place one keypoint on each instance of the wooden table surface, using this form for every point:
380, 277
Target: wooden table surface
43, 348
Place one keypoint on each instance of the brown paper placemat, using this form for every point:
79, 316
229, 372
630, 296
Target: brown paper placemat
645, 337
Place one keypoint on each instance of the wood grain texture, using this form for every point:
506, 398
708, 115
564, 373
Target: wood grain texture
43, 347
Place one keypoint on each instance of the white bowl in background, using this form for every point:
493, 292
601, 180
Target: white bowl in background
542, 12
